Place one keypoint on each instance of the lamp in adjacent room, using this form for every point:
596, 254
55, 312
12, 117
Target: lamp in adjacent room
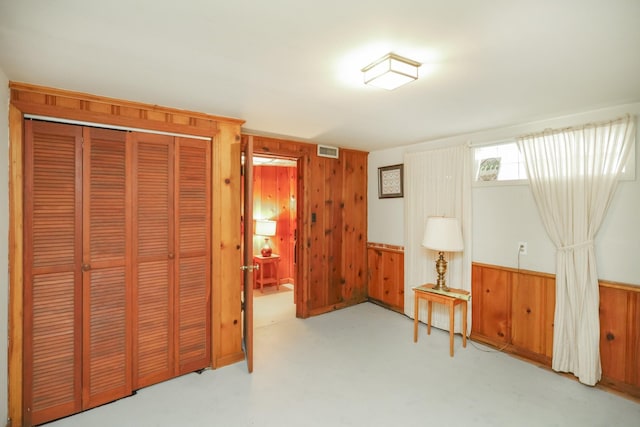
443, 235
390, 72
266, 228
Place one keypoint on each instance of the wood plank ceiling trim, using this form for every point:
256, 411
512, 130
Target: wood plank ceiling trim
63, 104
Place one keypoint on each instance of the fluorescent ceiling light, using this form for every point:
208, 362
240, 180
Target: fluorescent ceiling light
390, 72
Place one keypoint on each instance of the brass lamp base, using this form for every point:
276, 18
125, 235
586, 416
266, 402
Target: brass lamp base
441, 269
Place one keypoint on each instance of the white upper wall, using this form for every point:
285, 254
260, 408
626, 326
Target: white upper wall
4, 238
504, 215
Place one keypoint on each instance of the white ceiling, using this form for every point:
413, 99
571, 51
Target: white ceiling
292, 67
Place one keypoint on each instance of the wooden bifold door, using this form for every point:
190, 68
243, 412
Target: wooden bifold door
117, 264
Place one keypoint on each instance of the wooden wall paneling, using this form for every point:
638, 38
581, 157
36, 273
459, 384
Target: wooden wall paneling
257, 203
399, 265
477, 308
614, 315
193, 253
376, 272
394, 279
280, 215
321, 188
549, 315
303, 239
530, 334
274, 198
633, 343
334, 228
17, 307
319, 245
153, 264
270, 202
284, 235
527, 312
53, 283
226, 246
386, 275
354, 225
106, 374
293, 224
491, 303
268, 193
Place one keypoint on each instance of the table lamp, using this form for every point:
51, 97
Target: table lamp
443, 235
266, 228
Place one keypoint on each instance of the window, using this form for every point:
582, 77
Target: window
504, 163
499, 162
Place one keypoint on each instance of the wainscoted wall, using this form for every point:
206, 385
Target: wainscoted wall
274, 198
386, 275
514, 309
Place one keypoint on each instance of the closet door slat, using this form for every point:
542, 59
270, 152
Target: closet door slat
153, 253
106, 227
193, 204
52, 282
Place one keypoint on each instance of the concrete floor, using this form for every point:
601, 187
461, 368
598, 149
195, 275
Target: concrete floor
359, 367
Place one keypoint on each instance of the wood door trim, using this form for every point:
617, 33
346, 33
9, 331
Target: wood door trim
16, 263
301, 152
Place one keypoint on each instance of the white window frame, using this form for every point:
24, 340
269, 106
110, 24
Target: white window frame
628, 174
497, 182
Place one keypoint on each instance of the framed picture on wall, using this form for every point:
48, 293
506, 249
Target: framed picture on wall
390, 181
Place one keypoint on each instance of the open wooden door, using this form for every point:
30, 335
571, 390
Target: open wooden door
247, 257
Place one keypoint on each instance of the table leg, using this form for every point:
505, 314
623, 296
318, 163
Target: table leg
276, 265
415, 318
429, 303
464, 324
451, 327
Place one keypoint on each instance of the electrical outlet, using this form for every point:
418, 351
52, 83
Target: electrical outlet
522, 248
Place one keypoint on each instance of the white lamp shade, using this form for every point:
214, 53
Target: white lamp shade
265, 227
443, 234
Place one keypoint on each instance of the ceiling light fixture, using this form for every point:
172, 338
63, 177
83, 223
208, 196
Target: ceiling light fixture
390, 72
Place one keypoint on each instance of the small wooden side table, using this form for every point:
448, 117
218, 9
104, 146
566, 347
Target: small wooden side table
450, 298
262, 262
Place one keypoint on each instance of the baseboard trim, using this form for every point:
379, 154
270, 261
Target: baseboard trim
611, 386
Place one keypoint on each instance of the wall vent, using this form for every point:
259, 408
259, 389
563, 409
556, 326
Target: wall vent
326, 151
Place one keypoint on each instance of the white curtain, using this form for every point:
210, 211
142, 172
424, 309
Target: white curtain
573, 174
437, 183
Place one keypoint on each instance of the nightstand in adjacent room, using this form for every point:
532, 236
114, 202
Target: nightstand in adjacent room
271, 279
451, 299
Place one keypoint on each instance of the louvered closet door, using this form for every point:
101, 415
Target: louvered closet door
193, 259
154, 353
106, 267
52, 281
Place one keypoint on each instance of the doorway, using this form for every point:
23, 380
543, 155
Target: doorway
275, 207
